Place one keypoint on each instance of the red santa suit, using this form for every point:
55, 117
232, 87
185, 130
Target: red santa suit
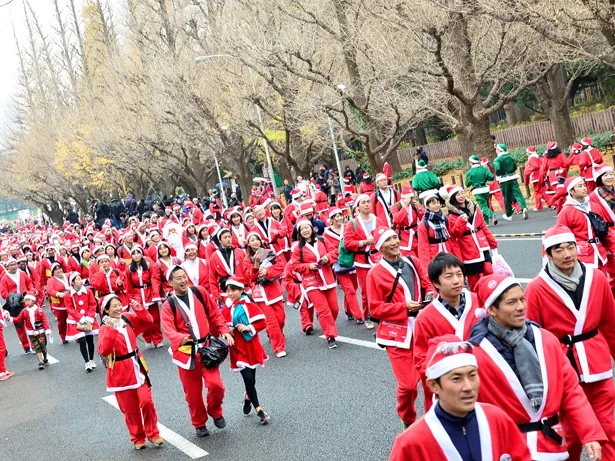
80, 305
297, 296
45, 268
427, 439
284, 244
56, 286
355, 231
381, 202
588, 160
590, 249
272, 234
143, 286
563, 398
165, 267
346, 278
104, 283
396, 325
429, 246
531, 175
127, 376
322, 202
319, 284
197, 271
553, 168
204, 319
406, 222
587, 337
239, 234
268, 295
244, 353
220, 268
30, 317
17, 283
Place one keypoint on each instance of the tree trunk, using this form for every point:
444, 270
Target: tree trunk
421, 136
559, 113
394, 162
475, 138
511, 115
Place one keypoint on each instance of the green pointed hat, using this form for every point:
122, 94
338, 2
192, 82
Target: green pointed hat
502, 147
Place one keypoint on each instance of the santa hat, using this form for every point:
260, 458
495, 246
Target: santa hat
177, 206
556, 235
484, 161
267, 202
349, 189
447, 353
190, 245
30, 295
333, 211
572, 181
234, 282
380, 176
303, 222
75, 245
366, 175
577, 147
446, 191
407, 192
306, 208
360, 198
474, 159
213, 230
586, 141
491, 287
51, 269
100, 248
136, 248
601, 170
253, 233
428, 194
72, 277
421, 166
247, 215
531, 150
381, 234
551, 145
317, 186
83, 250
296, 193
99, 258
168, 208
221, 230
106, 300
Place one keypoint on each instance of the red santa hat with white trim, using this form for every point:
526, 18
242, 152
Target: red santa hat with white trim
30, 295
531, 151
349, 190
359, 198
235, 282
447, 353
556, 235
333, 211
586, 141
491, 287
296, 193
380, 176
425, 196
407, 192
572, 181
446, 191
306, 208
381, 235
190, 245
601, 170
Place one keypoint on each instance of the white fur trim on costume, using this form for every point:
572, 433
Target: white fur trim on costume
574, 182
450, 363
557, 239
501, 288
383, 238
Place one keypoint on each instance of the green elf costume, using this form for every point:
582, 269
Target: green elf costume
478, 179
424, 180
505, 169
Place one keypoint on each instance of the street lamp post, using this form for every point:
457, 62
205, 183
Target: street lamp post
260, 120
222, 192
332, 133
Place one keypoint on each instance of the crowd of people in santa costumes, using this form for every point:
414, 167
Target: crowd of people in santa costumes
417, 269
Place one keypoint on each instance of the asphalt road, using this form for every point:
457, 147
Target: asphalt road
324, 404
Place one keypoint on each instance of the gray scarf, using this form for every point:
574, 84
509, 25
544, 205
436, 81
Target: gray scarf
569, 282
526, 359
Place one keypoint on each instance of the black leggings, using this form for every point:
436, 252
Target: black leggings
249, 379
86, 344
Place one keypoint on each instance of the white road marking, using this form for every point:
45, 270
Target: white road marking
169, 436
518, 239
357, 342
52, 360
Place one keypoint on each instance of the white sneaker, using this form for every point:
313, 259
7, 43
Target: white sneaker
369, 325
92, 364
281, 354
525, 214
507, 218
88, 367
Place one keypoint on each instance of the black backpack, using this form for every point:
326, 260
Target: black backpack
599, 225
14, 303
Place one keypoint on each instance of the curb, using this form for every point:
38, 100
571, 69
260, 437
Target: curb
531, 234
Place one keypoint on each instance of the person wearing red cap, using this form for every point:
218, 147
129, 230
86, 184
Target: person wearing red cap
553, 172
531, 175
262, 270
238, 228
143, 285
47, 262
277, 214
272, 232
127, 375
383, 200
16, 281
434, 230
321, 200
165, 262
367, 185
346, 276
405, 222
524, 372
471, 233
109, 280
458, 427
197, 268
306, 211
358, 238
574, 302
57, 289
454, 311
199, 309
126, 244
292, 209
81, 323
588, 159
225, 262
247, 353
395, 289
575, 215
311, 259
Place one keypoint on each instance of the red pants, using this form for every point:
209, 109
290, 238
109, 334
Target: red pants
558, 198
601, 396
275, 318
307, 316
61, 315
192, 380
539, 194
2, 349
349, 284
325, 303
22, 335
402, 362
362, 277
154, 333
139, 413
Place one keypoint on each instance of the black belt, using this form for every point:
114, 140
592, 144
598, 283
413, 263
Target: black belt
570, 341
135, 353
473, 231
610, 224
143, 286
367, 253
435, 240
119, 358
545, 425
405, 228
594, 240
